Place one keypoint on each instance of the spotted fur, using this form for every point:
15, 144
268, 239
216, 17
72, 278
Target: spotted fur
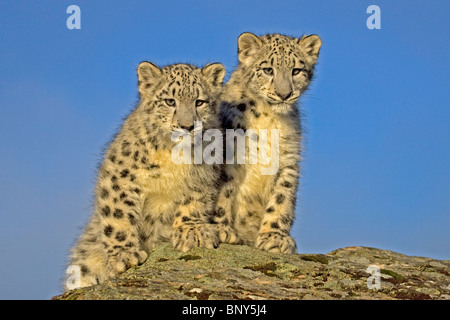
142, 197
262, 93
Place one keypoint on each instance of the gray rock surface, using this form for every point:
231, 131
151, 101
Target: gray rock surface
241, 272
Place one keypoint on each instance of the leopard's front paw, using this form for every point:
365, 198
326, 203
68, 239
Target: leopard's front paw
276, 242
188, 236
227, 234
124, 259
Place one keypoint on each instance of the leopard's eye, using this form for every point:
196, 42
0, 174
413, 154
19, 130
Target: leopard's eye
268, 71
296, 71
199, 103
170, 102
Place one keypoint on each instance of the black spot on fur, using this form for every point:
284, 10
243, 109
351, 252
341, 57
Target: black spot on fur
106, 211
124, 173
129, 203
132, 219
286, 220
118, 213
187, 201
280, 198
122, 195
270, 209
126, 148
84, 269
228, 193
115, 187
220, 212
275, 225
132, 177
104, 194
121, 236
224, 177
108, 230
255, 113
184, 219
143, 236
287, 184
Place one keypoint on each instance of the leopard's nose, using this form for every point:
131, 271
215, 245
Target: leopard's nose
284, 95
187, 127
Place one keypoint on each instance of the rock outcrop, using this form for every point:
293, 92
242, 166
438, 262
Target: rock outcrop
241, 272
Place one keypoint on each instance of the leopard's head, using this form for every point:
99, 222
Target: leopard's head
175, 97
278, 68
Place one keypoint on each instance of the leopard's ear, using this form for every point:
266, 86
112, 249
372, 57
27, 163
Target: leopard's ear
248, 45
148, 75
311, 46
214, 73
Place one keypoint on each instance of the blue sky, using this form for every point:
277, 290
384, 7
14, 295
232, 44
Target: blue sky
376, 164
